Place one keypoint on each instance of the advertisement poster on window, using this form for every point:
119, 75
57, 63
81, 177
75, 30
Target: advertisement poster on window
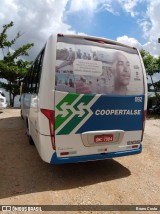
89, 69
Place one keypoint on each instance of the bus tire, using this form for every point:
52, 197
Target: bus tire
22, 115
31, 142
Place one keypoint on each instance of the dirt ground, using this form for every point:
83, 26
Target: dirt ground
26, 180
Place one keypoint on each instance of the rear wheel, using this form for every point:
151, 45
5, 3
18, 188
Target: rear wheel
21, 115
31, 142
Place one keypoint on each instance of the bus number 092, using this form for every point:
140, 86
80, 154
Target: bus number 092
138, 99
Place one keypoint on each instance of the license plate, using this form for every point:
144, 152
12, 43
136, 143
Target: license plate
103, 138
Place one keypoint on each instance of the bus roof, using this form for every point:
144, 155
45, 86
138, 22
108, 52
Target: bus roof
96, 39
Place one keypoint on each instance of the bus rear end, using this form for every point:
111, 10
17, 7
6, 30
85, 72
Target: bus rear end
100, 100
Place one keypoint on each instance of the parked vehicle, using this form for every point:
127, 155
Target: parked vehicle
3, 103
86, 99
155, 109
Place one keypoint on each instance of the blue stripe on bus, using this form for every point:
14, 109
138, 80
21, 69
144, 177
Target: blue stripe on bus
58, 160
126, 122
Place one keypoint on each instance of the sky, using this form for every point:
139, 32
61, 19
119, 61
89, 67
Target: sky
133, 22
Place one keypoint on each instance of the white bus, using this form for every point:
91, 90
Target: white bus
86, 100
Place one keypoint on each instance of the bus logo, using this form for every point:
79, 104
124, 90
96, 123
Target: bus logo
71, 111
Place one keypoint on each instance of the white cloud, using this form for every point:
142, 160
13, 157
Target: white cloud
109, 5
150, 25
153, 15
36, 20
145, 25
82, 5
129, 41
129, 6
151, 46
92, 6
148, 22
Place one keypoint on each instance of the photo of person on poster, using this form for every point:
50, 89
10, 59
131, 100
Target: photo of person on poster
69, 60
84, 55
65, 82
79, 54
121, 73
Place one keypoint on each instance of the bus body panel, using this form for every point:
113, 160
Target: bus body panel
47, 83
75, 146
95, 157
102, 116
68, 125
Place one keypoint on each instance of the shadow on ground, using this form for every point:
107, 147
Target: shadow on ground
153, 116
23, 172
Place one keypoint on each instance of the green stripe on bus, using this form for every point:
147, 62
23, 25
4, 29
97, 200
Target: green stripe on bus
68, 100
67, 129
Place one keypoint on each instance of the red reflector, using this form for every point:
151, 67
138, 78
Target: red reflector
50, 116
135, 146
64, 153
101, 42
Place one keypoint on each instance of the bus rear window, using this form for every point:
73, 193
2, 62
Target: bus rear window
94, 69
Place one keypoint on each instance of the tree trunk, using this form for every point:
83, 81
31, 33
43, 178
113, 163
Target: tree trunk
10, 98
155, 89
10, 93
13, 100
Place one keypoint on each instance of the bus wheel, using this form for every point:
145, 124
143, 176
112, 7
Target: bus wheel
22, 115
31, 142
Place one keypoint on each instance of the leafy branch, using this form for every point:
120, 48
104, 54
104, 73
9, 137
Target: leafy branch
13, 66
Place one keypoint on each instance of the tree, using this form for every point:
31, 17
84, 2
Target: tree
152, 66
13, 67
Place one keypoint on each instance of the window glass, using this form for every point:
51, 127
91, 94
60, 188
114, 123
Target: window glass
32, 81
94, 69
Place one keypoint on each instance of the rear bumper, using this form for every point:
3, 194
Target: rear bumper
58, 160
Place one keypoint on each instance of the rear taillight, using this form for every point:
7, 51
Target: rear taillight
144, 120
50, 116
101, 42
